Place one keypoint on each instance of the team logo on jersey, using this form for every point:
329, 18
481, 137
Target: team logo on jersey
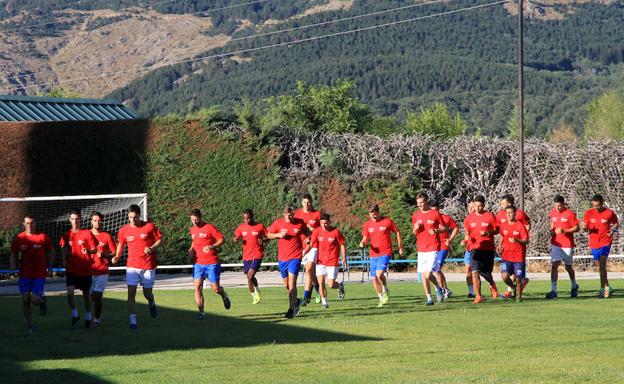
320, 238
296, 230
312, 222
418, 222
484, 224
382, 228
604, 221
201, 235
244, 233
505, 232
254, 233
81, 242
371, 230
37, 246
473, 225
564, 220
330, 239
144, 235
430, 221
515, 233
592, 221
130, 238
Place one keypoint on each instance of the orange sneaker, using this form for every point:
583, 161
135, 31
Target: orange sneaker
494, 292
507, 294
478, 300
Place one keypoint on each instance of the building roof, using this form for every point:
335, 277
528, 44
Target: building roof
29, 108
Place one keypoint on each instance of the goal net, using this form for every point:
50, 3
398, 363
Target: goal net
52, 216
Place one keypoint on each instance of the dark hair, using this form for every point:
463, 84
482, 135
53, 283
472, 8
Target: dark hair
96, 213
511, 207
325, 216
598, 198
75, 211
373, 208
135, 209
422, 195
196, 212
433, 203
559, 199
479, 199
289, 208
509, 197
249, 213
29, 216
306, 196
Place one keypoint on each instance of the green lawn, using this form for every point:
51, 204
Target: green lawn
567, 340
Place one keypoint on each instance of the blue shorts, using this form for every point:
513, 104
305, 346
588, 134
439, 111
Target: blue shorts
517, 269
251, 264
439, 260
599, 252
379, 263
212, 272
289, 267
467, 257
28, 285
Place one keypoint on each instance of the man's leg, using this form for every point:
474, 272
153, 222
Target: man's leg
291, 285
86, 288
199, 295
604, 281
132, 305
323, 290
97, 298
27, 309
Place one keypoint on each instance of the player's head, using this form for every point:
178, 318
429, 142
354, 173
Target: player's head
248, 216
421, 201
29, 224
479, 203
134, 215
325, 220
75, 218
306, 202
559, 202
470, 206
97, 220
433, 204
506, 200
597, 202
510, 212
373, 212
288, 212
195, 216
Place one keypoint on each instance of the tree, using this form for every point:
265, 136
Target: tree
605, 118
436, 120
60, 93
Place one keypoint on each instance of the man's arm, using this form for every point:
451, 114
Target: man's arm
364, 241
399, 242
115, 259
343, 254
13, 261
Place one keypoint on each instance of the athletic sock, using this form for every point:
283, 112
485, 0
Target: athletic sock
133, 318
471, 289
306, 294
384, 289
429, 298
380, 296
316, 288
573, 281
88, 316
96, 320
74, 312
509, 289
324, 300
253, 294
553, 286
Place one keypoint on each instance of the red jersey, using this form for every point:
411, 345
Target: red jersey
599, 225
328, 244
312, 219
252, 236
565, 219
291, 246
514, 252
139, 238
79, 260
431, 219
521, 216
379, 234
33, 249
203, 237
450, 224
106, 245
474, 224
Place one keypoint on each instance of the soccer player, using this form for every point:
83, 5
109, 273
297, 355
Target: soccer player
252, 235
426, 226
446, 239
480, 227
563, 225
30, 248
601, 223
311, 217
377, 230
468, 259
512, 248
291, 235
77, 246
106, 250
331, 249
142, 238
206, 240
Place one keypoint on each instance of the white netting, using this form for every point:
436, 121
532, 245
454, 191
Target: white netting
52, 214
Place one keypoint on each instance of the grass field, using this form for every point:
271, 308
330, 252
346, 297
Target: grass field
567, 340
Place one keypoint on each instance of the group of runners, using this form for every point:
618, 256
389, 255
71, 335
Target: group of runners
307, 238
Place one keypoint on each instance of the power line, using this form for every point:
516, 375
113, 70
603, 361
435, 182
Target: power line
232, 53
274, 32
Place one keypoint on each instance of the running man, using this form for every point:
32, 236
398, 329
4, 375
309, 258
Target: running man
468, 259
480, 227
291, 235
253, 235
77, 247
426, 226
563, 225
205, 241
446, 239
512, 248
601, 223
312, 218
106, 250
30, 249
142, 238
377, 230
331, 249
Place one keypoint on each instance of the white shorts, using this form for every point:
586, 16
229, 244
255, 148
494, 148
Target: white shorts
324, 270
145, 277
98, 283
559, 254
310, 257
426, 261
